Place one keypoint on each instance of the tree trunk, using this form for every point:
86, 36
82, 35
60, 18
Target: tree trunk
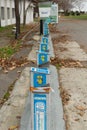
17, 17
24, 13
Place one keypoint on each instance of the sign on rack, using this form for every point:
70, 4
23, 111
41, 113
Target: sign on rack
54, 13
45, 29
39, 70
40, 111
45, 40
39, 77
42, 58
39, 80
44, 47
44, 9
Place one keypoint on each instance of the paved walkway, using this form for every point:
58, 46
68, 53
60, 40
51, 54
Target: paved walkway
14, 107
73, 79
76, 29
73, 87
9, 78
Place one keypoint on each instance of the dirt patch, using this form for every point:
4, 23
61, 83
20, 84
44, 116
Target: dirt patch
65, 96
53, 29
67, 63
60, 38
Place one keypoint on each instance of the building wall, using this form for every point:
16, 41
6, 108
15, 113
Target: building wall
7, 13
29, 16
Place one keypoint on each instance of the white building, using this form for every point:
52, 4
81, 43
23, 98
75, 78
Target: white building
7, 12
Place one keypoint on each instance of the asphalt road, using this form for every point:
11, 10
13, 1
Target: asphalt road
76, 29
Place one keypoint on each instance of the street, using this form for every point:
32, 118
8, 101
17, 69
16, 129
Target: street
76, 29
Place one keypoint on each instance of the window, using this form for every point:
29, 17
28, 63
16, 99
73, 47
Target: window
13, 12
2, 13
8, 13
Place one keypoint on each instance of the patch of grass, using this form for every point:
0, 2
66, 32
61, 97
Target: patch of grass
58, 66
79, 17
8, 51
6, 28
37, 20
6, 96
8, 93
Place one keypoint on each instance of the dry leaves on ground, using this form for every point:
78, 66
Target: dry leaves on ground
13, 63
65, 96
13, 128
53, 29
60, 38
66, 63
81, 108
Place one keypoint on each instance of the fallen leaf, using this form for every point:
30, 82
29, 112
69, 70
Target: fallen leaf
81, 113
5, 71
81, 108
18, 71
12, 68
13, 127
77, 119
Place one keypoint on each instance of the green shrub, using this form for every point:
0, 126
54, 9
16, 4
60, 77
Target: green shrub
77, 13
66, 13
72, 13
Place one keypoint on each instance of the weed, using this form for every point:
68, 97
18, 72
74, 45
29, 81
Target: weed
8, 51
6, 96
58, 66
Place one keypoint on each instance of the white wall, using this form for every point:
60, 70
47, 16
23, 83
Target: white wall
7, 4
29, 16
10, 4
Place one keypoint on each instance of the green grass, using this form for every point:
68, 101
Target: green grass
8, 51
58, 66
6, 28
36, 20
80, 17
6, 96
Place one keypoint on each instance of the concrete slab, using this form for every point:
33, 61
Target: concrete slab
70, 50
14, 107
56, 111
74, 81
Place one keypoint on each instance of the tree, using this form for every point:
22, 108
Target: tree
78, 4
25, 9
16, 2
65, 5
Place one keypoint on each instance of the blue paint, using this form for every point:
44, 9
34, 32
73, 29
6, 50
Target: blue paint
40, 108
45, 40
45, 28
43, 47
45, 31
39, 80
42, 58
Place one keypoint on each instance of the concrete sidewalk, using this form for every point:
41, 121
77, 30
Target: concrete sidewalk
12, 110
72, 80
73, 83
